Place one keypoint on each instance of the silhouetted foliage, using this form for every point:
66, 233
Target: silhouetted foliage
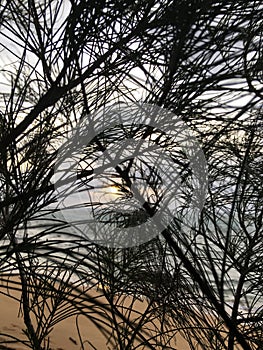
63, 60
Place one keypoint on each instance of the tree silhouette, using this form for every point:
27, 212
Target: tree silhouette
61, 61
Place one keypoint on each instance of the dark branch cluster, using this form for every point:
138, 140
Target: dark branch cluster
60, 62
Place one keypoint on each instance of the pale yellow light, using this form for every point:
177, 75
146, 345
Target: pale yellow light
113, 190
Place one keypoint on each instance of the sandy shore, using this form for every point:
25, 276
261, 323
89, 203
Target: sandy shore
64, 335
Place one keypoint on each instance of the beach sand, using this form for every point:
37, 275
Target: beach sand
64, 335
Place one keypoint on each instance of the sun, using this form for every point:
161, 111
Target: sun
113, 190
